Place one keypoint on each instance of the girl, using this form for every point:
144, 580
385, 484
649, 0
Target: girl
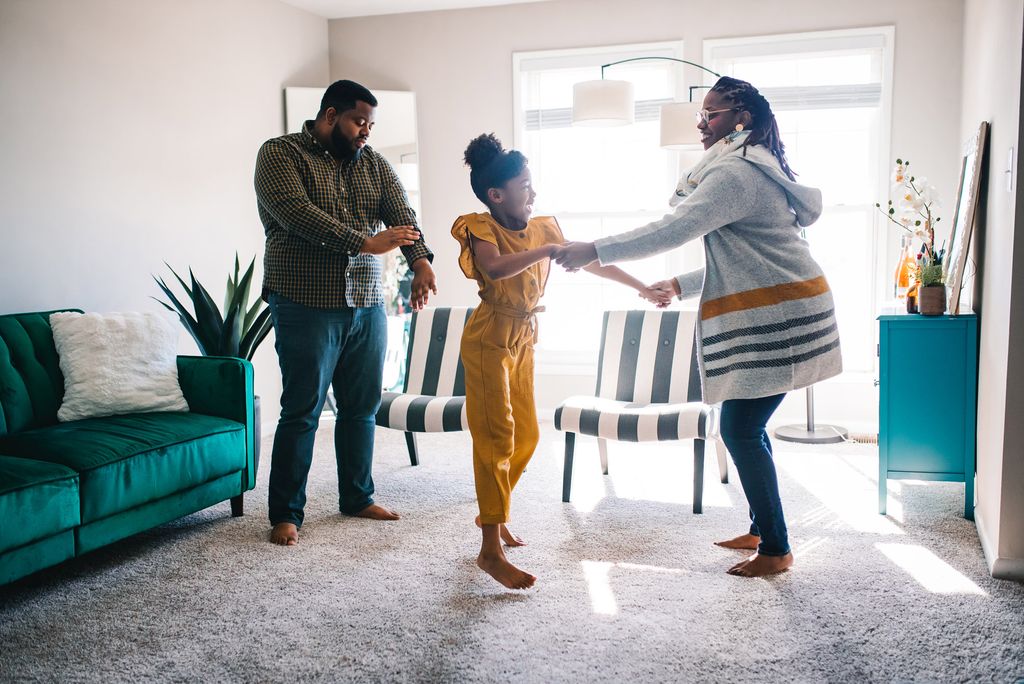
508, 253
767, 321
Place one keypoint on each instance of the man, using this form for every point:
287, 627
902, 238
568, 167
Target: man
323, 195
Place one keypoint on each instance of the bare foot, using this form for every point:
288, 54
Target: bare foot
744, 541
507, 536
375, 512
759, 566
285, 534
504, 572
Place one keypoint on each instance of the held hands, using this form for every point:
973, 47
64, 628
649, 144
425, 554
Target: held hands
572, 256
661, 293
389, 239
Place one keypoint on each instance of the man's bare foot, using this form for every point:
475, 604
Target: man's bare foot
285, 534
504, 572
744, 541
507, 536
375, 512
759, 566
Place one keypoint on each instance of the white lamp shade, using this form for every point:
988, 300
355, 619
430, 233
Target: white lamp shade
602, 103
679, 125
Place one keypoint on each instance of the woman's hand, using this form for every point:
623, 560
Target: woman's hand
661, 292
575, 255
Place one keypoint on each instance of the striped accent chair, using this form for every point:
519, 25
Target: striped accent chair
648, 390
433, 397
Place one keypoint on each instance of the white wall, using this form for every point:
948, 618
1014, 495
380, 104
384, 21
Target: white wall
129, 134
459, 63
992, 91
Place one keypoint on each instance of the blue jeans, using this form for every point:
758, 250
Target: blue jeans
744, 434
318, 348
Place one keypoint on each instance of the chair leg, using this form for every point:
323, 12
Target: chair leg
723, 460
570, 442
237, 506
410, 441
602, 448
698, 476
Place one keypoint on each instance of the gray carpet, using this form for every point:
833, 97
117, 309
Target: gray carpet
630, 588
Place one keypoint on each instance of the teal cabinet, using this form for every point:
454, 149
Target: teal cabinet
928, 386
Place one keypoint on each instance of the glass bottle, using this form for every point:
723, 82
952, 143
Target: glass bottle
904, 269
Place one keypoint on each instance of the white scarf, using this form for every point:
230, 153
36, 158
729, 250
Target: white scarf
729, 144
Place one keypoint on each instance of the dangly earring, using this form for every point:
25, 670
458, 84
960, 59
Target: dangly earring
739, 127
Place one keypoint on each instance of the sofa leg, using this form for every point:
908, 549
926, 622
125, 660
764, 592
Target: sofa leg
236, 506
570, 442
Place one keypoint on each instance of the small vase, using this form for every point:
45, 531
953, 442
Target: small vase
931, 300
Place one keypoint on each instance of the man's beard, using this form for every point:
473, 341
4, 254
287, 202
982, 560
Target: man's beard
343, 148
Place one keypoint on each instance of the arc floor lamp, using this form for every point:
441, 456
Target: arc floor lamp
609, 102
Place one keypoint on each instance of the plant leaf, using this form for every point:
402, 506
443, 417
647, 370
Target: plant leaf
255, 335
210, 322
183, 314
234, 315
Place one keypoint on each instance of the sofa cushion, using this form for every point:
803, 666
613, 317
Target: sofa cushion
37, 500
125, 461
117, 363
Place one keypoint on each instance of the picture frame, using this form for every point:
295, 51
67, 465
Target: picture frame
955, 260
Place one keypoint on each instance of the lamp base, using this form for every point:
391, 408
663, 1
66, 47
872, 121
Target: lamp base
821, 434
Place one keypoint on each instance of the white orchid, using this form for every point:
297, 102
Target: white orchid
913, 208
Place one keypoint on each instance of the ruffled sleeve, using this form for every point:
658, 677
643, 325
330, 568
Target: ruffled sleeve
471, 225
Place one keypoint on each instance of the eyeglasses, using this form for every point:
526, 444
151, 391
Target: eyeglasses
706, 115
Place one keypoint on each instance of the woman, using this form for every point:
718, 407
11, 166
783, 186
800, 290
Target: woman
767, 321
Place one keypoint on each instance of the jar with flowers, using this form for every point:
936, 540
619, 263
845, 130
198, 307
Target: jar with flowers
913, 210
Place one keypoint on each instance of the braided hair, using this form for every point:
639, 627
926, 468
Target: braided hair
764, 130
491, 166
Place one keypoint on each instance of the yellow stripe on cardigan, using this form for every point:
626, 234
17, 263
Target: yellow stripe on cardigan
763, 296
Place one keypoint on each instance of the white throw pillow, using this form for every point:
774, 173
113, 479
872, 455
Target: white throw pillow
117, 363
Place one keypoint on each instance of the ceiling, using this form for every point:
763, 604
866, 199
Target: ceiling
339, 9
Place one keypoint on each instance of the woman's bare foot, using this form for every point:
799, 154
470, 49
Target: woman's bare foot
375, 512
507, 536
285, 534
759, 566
498, 567
744, 541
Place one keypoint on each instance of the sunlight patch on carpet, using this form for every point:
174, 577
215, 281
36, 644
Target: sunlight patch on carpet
930, 571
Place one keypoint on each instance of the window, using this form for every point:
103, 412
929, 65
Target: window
830, 94
596, 182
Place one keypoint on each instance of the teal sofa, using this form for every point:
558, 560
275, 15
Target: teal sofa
69, 488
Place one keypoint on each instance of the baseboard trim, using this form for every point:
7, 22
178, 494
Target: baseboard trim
999, 568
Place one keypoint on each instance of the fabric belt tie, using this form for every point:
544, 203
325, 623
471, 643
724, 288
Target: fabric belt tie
529, 315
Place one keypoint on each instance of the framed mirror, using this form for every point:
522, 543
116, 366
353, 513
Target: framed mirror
955, 260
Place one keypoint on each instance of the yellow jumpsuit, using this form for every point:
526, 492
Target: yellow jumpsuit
497, 353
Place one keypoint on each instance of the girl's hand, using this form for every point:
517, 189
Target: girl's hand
554, 251
661, 292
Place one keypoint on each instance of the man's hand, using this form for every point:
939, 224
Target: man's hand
423, 283
575, 255
389, 239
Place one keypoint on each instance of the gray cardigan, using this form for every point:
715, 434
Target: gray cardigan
767, 321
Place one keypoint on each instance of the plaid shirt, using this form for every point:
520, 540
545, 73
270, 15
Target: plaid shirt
317, 212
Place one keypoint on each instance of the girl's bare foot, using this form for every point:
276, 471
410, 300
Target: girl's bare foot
284, 534
759, 566
506, 535
744, 541
498, 567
